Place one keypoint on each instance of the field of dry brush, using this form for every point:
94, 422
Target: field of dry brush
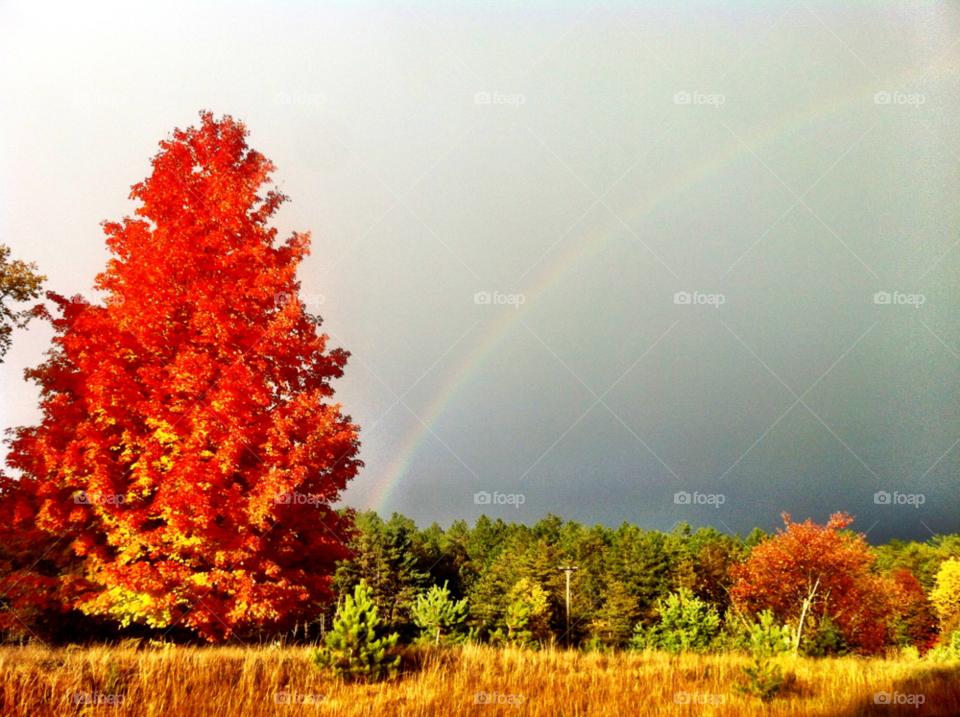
474, 680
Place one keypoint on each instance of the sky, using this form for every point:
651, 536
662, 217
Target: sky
647, 262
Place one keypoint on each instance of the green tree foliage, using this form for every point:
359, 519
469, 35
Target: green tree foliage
19, 282
687, 624
612, 624
526, 620
523, 559
353, 650
388, 557
639, 560
445, 553
764, 678
438, 616
626, 576
766, 636
765, 639
923, 560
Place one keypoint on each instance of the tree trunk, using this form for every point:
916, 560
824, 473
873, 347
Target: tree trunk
803, 616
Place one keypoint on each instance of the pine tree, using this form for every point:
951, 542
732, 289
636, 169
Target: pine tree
687, 624
435, 612
385, 555
613, 622
764, 678
766, 639
352, 649
516, 620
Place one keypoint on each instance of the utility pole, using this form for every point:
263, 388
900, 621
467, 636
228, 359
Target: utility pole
567, 569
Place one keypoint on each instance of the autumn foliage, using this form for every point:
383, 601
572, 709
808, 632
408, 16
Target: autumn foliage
189, 452
189, 449
916, 618
946, 596
809, 572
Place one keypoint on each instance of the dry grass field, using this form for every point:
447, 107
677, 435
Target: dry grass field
241, 682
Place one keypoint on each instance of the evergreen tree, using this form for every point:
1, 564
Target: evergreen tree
764, 677
385, 557
640, 561
435, 612
352, 649
767, 637
687, 624
613, 622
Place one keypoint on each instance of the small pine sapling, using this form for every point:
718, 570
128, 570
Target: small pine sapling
352, 649
438, 616
766, 639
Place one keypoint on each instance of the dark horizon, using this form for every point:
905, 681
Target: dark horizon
870, 537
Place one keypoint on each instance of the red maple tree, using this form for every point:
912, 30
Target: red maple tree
807, 572
189, 449
916, 617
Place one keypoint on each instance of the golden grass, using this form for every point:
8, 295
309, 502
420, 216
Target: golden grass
241, 682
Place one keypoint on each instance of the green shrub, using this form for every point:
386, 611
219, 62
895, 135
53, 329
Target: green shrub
438, 616
687, 624
764, 678
765, 639
515, 621
597, 644
352, 649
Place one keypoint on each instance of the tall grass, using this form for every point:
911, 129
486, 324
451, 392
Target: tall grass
241, 682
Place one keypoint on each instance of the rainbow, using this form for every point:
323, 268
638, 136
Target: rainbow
574, 258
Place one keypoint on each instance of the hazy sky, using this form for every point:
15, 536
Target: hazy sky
781, 162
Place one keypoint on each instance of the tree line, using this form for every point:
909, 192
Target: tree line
691, 589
